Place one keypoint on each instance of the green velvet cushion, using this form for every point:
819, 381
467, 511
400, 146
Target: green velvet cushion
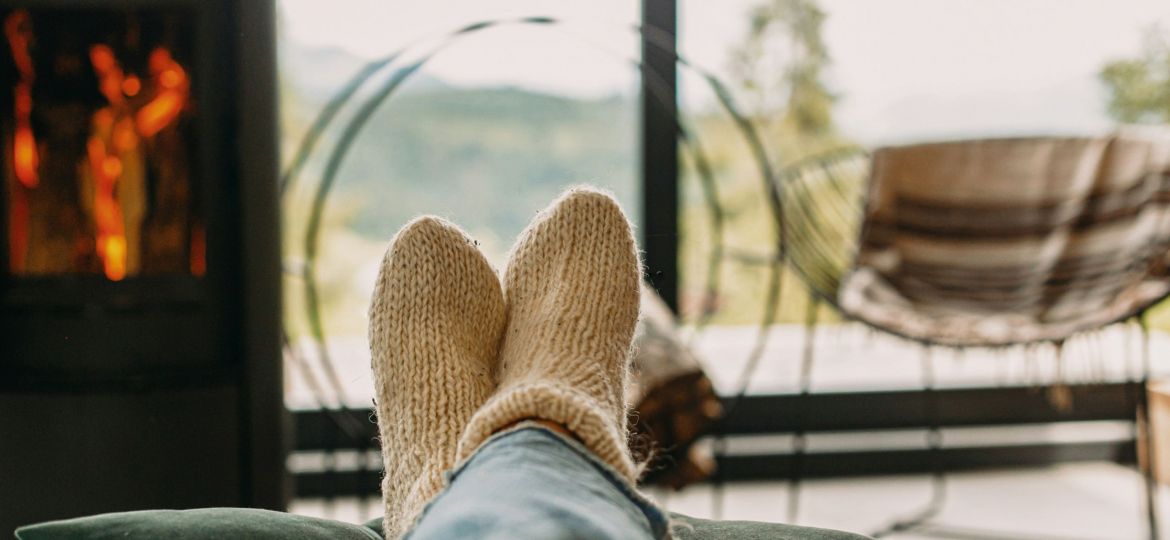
221, 523
205, 523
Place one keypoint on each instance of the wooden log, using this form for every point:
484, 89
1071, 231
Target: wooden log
675, 401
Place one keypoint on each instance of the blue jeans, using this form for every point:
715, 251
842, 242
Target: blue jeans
531, 483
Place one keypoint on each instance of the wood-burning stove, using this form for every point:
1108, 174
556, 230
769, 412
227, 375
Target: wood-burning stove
139, 265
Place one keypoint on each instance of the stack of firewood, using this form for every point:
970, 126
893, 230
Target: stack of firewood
675, 402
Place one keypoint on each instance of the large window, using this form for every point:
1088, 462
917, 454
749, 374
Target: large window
500, 120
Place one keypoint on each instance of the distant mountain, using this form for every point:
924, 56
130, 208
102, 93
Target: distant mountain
488, 157
317, 72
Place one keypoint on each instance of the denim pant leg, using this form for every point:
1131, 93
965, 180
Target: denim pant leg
534, 484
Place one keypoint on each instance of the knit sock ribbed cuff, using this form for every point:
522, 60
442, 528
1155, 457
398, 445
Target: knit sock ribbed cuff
548, 401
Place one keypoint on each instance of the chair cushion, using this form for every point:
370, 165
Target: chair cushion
1005, 241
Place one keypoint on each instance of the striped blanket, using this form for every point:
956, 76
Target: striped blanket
996, 242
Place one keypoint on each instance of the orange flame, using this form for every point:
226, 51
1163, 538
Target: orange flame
173, 86
19, 37
115, 261
131, 86
24, 144
109, 74
111, 237
118, 129
106, 166
24, 155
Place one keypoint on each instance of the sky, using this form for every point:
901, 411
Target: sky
904, 69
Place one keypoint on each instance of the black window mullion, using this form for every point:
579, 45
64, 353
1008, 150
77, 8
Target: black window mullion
660, 171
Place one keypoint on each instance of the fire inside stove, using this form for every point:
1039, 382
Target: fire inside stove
96, 116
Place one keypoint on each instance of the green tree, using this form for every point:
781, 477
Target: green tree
780, 65
1139, 88
777, 75
1139, 92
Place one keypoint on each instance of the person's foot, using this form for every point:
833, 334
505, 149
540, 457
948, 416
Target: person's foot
572, 290
436, 320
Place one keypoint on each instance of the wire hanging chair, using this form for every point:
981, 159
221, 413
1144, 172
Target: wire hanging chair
927, 242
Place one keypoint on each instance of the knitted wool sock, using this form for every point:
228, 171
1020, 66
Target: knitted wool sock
572, 293
436, 320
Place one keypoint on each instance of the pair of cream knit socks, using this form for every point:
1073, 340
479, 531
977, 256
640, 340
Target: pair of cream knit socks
456, 358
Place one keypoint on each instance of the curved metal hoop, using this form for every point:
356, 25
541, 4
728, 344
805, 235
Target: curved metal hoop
351, 130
